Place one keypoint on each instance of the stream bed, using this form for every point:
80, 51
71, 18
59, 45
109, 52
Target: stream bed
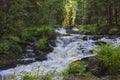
68, 48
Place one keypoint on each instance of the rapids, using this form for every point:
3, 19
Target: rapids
68, 49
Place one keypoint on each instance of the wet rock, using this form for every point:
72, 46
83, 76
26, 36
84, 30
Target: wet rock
28, 47
28, 52
47, 49
89, 52
85, 38
95, 37
111, 37
100, 43
66, 34
33, 39
75, 29
40, 56
83, 50
61, 31
52, 43
30, 55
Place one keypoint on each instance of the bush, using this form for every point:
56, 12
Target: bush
4, 46
10, 47
40, 31
9, 44
14, 38
109, 58
43, 31
75, 68
103, 28
42, 43
26, 34
88, 29
76, 71
114, 31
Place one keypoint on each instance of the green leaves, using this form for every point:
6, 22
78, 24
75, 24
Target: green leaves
109, 56
42, 43
4, 47
75, 68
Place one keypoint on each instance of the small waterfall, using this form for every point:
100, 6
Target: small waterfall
68, 49
29, 53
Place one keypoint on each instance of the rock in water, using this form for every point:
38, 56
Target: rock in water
75, 29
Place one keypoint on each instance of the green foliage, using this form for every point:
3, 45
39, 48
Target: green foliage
29, 76
15, 48
75, 68
42, 43
8, 46
70, 9
4, 46
38, 31
88, 29
75, 71
48, 76
37, 76
44, 31
11, 38
26, 34
109, 57
101, 13
114, 31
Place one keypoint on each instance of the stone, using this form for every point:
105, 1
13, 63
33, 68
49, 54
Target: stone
100, 42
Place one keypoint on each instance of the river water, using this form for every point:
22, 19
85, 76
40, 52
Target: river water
68, 49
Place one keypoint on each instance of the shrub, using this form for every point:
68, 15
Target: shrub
44, 31
14, 38
114, 31
40, 31
4, 46
42, 43
103, 28
109, 57
75, 68
26, 34
9, 44
76, 71
88, 29
15, 48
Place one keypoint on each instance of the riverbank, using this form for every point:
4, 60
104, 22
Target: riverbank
64, 52
28, 48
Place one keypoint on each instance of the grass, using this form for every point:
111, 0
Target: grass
38, 75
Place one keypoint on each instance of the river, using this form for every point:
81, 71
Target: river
68, 48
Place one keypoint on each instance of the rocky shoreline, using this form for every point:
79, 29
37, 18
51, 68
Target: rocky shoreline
30, 54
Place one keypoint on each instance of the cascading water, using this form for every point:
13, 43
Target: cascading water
68, 49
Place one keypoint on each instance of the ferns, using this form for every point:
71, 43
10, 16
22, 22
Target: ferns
109, 57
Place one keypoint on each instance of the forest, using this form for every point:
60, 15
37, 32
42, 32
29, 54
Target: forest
27, 31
